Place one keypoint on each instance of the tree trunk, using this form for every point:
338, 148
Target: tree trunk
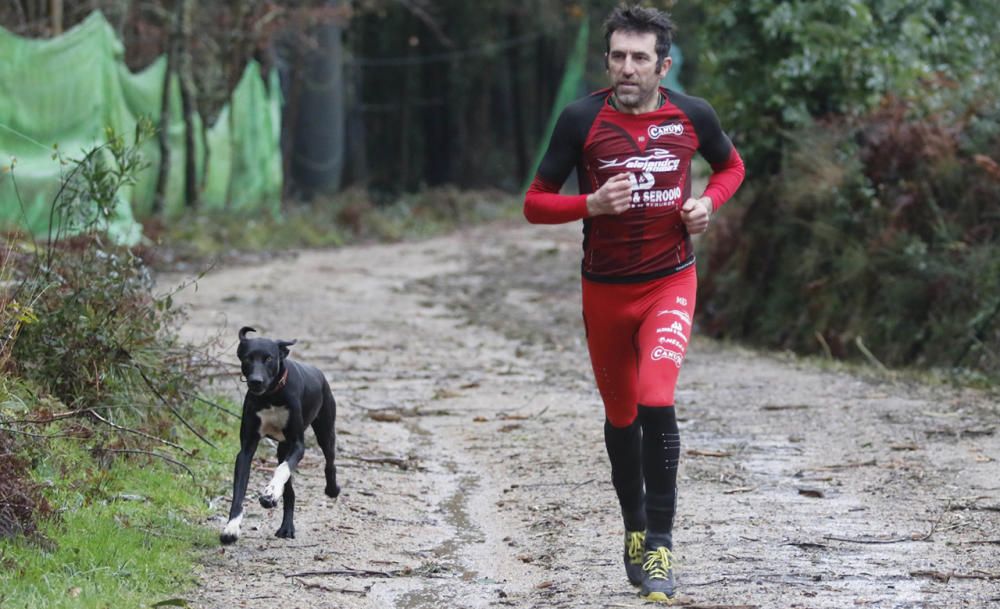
406, 132
188, 103
56, 8
290, 117
356, 133
516, 104
318, 147
162, 177
123, 19
31, 13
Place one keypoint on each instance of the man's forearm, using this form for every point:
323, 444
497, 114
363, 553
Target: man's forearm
544, 205
725, 179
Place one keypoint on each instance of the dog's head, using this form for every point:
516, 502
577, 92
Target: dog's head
261, 360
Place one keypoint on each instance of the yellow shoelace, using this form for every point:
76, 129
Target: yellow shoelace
658, 563
636, 544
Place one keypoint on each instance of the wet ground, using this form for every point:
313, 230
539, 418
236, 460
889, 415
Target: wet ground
473, 467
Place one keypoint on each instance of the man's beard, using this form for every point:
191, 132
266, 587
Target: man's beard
635, 97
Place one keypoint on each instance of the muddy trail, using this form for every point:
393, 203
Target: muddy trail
474, 474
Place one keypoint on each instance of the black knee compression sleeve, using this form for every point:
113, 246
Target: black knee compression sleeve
661, 451
625, 451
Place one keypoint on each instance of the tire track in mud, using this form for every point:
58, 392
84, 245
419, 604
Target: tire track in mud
473, 467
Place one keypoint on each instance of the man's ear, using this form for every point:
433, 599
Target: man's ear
283, 346
667, 62
607, 63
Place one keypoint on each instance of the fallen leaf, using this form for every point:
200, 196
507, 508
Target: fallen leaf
171, 602
385, 417
773, 407
708, 453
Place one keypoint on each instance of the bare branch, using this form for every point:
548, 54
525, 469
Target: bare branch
139, 433
170, 407
129, 451
420, 13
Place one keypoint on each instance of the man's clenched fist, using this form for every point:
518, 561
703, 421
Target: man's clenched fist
613, 197
695, 213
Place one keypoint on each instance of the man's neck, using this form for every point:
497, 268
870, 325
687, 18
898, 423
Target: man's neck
654, 103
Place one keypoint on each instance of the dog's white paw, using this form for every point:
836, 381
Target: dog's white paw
273, 491
232, 531
268, 501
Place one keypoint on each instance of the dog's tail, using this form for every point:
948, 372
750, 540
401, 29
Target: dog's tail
244, 330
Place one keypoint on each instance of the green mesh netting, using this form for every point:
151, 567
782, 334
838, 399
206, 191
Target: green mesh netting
64, 92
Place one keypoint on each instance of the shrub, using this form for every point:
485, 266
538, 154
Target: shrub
97, 336
879, 234
21, 501
770, 67
85, 337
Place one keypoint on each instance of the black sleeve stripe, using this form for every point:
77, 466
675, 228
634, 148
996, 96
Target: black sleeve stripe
713, 143
570, 133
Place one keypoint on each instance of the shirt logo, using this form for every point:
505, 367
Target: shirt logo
655, 131
660, 161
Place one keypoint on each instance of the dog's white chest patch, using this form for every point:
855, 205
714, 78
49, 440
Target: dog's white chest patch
272, 422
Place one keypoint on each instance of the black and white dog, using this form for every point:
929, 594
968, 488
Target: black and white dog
283, 397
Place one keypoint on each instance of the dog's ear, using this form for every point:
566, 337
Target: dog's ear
283, 346
241, 349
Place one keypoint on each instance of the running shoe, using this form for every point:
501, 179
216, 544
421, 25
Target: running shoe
658, 575
635, 543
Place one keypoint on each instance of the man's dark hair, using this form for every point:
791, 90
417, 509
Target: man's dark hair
641, 20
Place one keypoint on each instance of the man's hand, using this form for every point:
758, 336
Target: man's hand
695, 214
613, 197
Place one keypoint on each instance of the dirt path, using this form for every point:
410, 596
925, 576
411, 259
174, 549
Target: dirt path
474, 472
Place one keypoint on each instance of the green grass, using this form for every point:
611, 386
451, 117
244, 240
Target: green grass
124, 536
353, 216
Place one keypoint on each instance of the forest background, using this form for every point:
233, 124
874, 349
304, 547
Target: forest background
867, 226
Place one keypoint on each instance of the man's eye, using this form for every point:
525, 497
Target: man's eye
267, 358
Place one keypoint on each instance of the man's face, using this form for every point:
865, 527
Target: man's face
632, 69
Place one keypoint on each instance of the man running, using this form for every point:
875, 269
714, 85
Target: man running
632, 146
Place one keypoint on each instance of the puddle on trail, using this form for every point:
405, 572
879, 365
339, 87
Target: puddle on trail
446, 579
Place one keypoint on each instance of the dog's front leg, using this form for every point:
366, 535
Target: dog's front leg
289, 454
293, 452
249, 439
287, 528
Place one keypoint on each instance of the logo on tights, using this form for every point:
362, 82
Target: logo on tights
661, 353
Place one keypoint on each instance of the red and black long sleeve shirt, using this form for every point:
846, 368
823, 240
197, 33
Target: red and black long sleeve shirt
648, 240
